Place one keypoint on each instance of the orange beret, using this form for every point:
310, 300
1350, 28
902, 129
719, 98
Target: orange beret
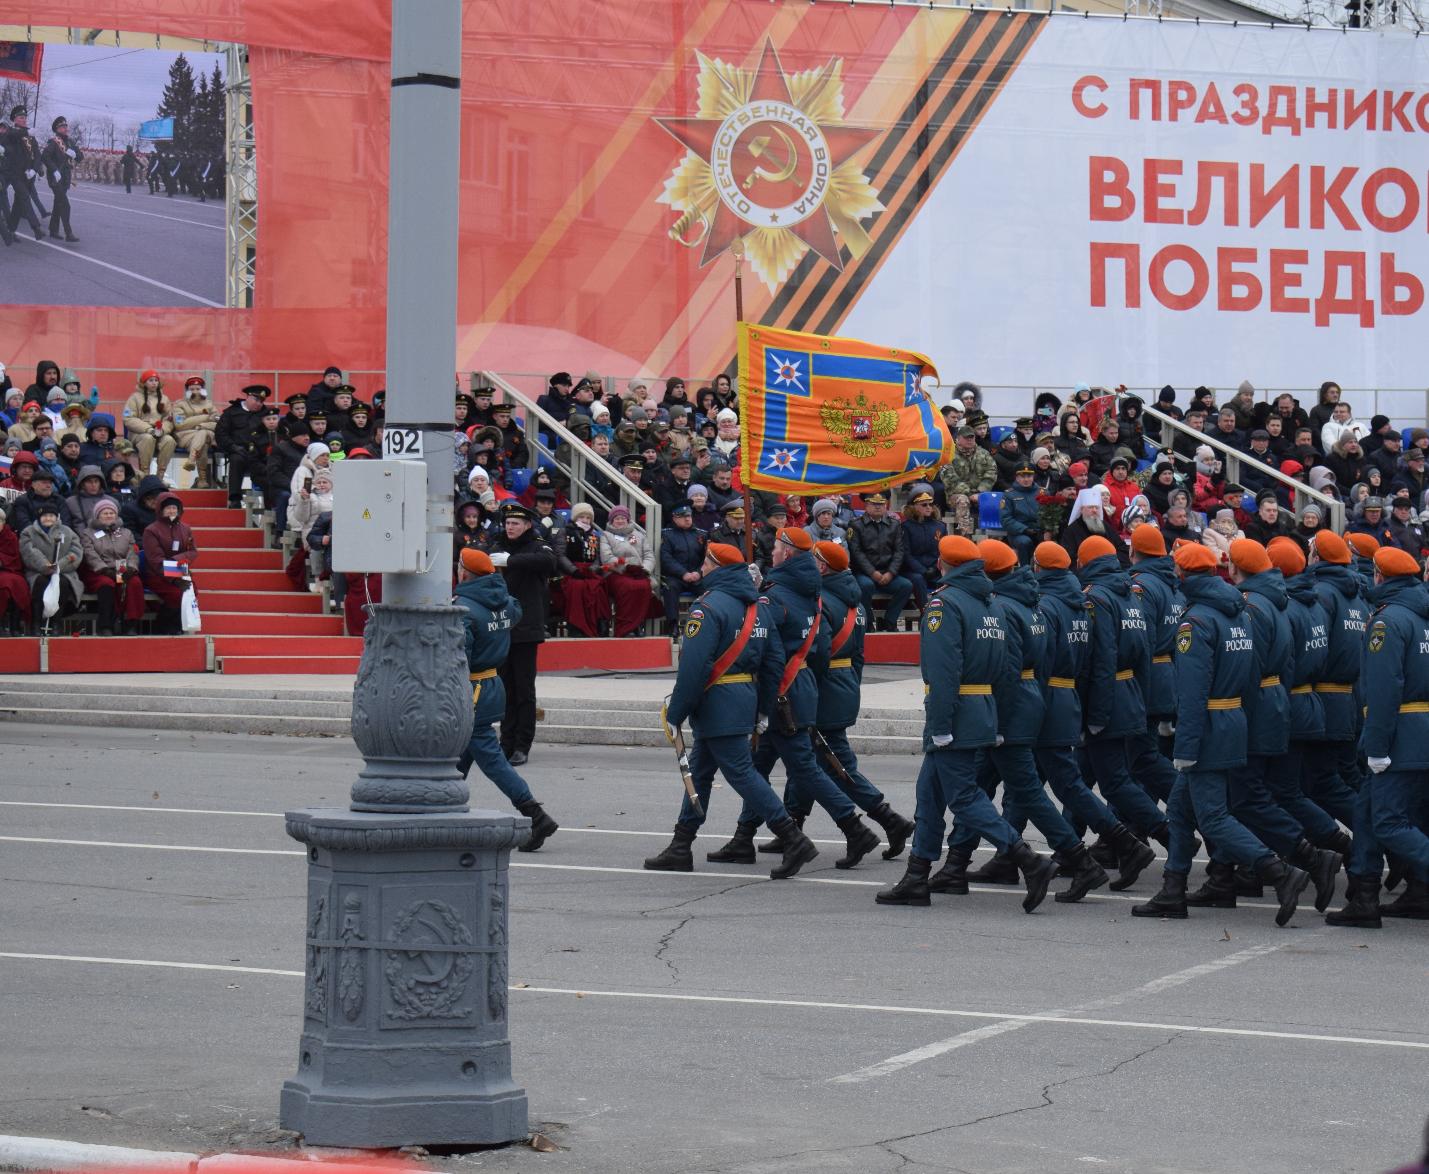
1390, 561
1093, 548
477, 562
1052, 555
725, 554
1331, 548
1250, 556
997, 557
832, 555
1286, 555
1364, 544
1147, 540
954, 550
1193, 558
795, 537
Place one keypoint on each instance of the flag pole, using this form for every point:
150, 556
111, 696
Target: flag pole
737, 248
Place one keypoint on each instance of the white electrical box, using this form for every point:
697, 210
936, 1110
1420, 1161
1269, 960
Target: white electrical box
379, 516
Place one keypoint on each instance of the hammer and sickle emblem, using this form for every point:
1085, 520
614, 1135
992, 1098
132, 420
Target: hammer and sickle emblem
758, 146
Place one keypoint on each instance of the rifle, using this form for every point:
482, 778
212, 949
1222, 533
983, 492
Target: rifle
682, 758
831, 760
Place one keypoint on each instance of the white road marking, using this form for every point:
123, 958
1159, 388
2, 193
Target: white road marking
140, 212
952, 1043
173, 289
808, 1004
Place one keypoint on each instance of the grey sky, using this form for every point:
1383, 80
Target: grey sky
125, 84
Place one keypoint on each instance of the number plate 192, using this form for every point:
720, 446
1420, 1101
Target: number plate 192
402, 444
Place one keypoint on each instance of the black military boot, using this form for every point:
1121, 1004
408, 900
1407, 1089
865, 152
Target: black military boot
776, 845
739, 850
1413, 903
1104, 851
1087, 874
953, 876
1217, 891
1132, 856
999, 870
898, 829
798, 848
911, 888
1339, 842
1322, 865
859, 839
543, 827
677, 856
1362, 908
1247, 884
1288, 882
1037, 873
1169, 902
1161, 833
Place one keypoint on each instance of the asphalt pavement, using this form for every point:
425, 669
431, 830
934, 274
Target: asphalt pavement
133, 250
151, 929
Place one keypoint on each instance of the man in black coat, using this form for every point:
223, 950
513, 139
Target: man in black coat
527, 564
682, 557
237, 429
283, 461
59, 156
20, 167
876, 549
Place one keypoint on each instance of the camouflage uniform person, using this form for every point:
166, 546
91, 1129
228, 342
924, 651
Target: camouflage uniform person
971, 471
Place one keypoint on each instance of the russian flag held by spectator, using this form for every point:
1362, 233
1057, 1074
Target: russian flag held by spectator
174, 570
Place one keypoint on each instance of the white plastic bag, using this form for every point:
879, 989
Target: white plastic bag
189, 618
50, 601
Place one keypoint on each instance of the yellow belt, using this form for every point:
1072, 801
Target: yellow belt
1029, 675
1161, 659
1414, 707
843, 662
1331, 687
1223, 703
974, 690
1301, 689
484, 675
1124, 674
735, 679
1062, 682
1269, 682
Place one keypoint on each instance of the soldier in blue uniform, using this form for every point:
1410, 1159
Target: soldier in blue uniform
1215, 663
1153, 571
730, 660
963, 652
1113, 706
1390, 814
491, 611
1363, 548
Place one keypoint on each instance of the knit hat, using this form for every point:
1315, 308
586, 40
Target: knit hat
317, 449
997, 557
1312, 507
727, 416
105, 503
1077, 469
1390, 561
1147, 540
1094, 548
1039, 453
1051, 556
1365, 545
477, 562
824, 504
620, 512
1331, 548
832, 555
724, 554
1246, 385
1377, 422
583, 509
1286, 555
1290, 468
954, 550
1249, 556
1192, 558
695, 490
633, 415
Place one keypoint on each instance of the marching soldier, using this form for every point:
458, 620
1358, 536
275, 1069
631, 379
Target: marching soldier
1363, 548
730, 659
156, 167
963, 651
491, 612
59, 157
1153, 571
1215, 664
792, 590
21, 164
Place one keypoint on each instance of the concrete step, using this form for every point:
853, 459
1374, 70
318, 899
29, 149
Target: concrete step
320, 727
195, 703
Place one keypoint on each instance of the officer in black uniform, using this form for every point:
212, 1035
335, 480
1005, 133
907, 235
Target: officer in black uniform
21, 164
59, 157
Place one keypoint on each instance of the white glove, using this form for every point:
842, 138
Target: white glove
70, 152
1183, 764
1165, 729
941, 740
30, 173
1379, 765
499, 558
1095, 730
57, 177
761, 725
999, 740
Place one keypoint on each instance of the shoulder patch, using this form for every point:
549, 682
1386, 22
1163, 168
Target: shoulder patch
933, 620
1183, 639
1136, 588
1377, 635
692, 626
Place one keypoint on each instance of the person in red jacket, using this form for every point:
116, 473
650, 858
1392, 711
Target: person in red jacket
168, 539
14, 590
1123, 490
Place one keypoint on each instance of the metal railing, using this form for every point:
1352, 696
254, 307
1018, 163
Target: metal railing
1233, 458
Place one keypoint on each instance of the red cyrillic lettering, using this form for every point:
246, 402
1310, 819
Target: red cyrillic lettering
1358, 304
1153, 191
1109, 186
1390, 282
1211, 108
1333, 196
1394, 109
1229, 175
1130, 256
1285, 191
1249, 112
1139, 84
1421, 112
1354, 111
1281, 95
1369, 199
1083, 84
1282, 281
1329, 107
1200, 277
1229, 280
1179, 96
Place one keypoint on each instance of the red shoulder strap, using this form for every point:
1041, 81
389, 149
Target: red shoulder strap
796, 662
844, 632
731, 654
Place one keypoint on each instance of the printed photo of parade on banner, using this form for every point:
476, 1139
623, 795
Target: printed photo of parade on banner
112, 180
